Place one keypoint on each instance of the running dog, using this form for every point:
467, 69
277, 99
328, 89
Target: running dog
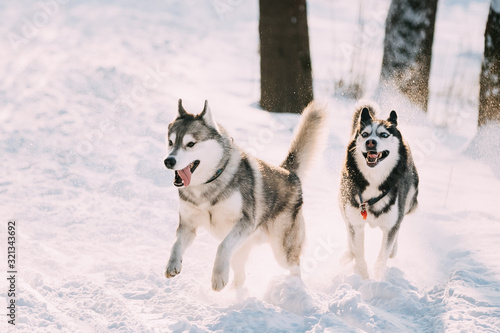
240, 198
379, 185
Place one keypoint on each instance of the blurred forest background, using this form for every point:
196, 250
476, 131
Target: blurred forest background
286, 79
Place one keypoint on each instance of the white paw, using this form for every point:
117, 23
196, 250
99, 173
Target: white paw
380, 267
361, 269
173, 268
220, 277
238, 281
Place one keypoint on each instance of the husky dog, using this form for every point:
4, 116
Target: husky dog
238, 197
379, 185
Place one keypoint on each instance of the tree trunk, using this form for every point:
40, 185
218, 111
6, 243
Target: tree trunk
285, 62
489, 81
409, 33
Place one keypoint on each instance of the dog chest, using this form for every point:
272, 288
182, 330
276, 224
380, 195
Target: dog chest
218, 218
385, 220
225, 214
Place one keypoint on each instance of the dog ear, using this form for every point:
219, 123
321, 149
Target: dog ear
207, 116
366, 117
180, 111
393, 118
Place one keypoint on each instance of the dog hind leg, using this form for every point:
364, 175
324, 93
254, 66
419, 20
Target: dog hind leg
238, 262
287, 243
292, 244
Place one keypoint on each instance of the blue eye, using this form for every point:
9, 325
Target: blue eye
365, 134
384, 135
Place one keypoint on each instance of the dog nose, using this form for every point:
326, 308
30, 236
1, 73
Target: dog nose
170, 162
371, 144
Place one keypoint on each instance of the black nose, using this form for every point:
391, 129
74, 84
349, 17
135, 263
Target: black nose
170, 162
371, 144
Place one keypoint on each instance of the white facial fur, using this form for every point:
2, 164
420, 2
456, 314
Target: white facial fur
170, 137
379, 173
187, 139
208, 151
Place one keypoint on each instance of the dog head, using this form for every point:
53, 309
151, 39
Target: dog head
195, 146
377, 141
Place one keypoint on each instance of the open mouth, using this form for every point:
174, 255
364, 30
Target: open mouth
183, 177
373, 157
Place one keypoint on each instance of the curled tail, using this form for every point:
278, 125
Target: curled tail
309, 137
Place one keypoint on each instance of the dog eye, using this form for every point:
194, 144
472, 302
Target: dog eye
170, 143
365, 134
384, 135
191, 144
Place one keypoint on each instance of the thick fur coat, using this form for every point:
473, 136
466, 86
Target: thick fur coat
241, 199
379, 185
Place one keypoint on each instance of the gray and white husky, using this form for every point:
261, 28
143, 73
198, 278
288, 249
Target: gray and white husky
379, 185
240, 198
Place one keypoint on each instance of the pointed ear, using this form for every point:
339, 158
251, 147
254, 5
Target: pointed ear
208, 118
366, 117
180, 111
393, 118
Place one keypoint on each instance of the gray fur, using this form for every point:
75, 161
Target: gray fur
304, 146
248, 200
399, 181
363, 104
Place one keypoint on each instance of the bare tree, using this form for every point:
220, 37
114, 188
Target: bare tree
285, 62
489, 82
409, 35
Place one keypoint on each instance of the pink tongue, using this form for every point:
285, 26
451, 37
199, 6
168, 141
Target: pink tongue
185, 175
373, 156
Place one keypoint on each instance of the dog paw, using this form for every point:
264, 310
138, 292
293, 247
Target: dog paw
238, 281
173, 268
361, 269
219, 279
380, 268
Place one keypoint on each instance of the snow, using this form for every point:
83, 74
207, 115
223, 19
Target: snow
85, 102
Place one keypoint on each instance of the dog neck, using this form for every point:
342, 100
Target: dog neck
218, 172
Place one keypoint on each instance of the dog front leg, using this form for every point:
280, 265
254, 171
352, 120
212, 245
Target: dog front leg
184, 238
387, 249
235, 238
357, 247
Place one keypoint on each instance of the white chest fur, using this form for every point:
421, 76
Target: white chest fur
225, 214
218, 219
386, 220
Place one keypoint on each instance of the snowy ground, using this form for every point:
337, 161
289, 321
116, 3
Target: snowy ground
87, 90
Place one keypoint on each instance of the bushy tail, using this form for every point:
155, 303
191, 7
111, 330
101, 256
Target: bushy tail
309, 138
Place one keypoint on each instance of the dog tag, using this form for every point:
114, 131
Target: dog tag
364, 213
